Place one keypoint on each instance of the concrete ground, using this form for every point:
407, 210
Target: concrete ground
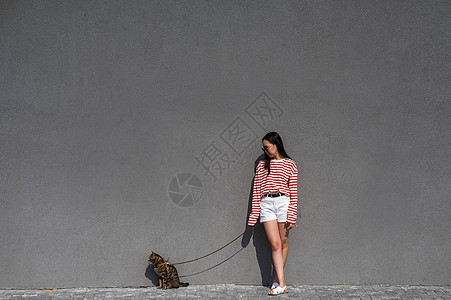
232, 291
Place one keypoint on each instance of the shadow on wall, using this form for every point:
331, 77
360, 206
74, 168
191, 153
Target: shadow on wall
151, 275
260, 242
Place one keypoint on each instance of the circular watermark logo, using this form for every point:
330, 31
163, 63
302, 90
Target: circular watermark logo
185, 189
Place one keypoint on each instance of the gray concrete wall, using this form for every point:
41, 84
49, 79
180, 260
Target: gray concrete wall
107, 107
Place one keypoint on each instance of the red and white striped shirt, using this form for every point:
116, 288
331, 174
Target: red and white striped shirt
283, 178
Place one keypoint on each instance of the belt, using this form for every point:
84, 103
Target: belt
274, 195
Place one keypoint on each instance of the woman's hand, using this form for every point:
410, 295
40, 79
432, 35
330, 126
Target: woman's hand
289, 225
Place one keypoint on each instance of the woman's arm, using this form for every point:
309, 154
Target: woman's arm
293, 187
255, 212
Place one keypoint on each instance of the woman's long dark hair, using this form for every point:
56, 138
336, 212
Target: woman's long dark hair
275, 139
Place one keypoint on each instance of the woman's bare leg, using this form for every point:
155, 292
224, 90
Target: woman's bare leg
273, 233
283, 233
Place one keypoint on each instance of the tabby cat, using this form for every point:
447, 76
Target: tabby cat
167, 273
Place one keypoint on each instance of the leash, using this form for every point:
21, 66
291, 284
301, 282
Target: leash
184, 262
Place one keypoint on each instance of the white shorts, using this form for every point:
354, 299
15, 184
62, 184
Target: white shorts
274, 208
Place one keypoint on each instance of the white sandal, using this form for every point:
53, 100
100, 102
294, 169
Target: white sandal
274, 285
278, 290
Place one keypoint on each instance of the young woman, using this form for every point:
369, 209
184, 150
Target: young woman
275, 198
